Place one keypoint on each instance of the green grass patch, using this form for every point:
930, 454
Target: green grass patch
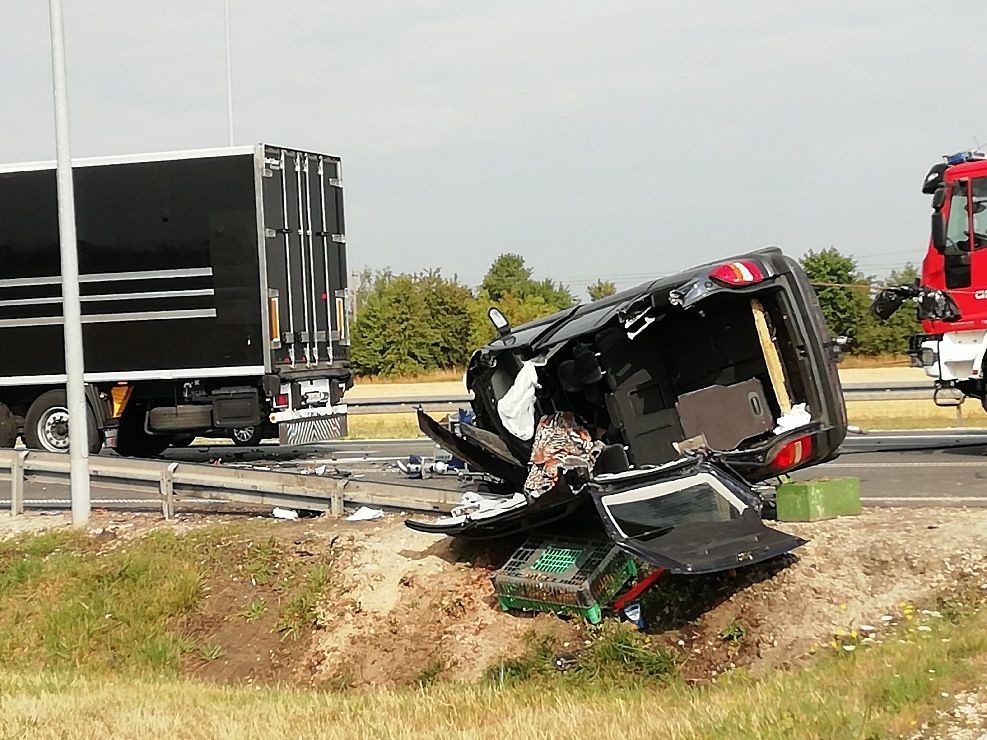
72, 602
616, 656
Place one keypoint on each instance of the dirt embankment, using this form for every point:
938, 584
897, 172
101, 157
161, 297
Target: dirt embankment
396, 607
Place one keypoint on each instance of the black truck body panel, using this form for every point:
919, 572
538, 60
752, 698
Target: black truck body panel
205, 277
170, 263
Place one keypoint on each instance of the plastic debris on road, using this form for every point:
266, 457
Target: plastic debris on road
285, 514
364, 514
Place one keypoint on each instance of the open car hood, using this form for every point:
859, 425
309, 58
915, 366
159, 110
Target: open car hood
695, 519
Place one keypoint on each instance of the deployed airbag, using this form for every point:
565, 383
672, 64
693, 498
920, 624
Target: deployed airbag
517, 407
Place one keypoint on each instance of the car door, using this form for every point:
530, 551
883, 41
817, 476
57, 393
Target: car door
691, 518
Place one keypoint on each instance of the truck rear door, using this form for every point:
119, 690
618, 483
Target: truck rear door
306, 258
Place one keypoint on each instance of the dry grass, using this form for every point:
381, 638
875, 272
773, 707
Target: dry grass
383, 426
433, 376
856, 361
901, 414
882, 691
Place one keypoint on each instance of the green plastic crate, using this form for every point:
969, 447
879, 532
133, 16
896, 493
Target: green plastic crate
563, 575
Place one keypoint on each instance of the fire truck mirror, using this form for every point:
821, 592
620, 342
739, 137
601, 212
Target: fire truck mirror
938, 231
939, 198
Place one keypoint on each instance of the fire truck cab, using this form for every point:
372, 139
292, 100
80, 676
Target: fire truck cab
952, 296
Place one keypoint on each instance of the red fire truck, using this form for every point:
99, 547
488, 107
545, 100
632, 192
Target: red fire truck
952, 295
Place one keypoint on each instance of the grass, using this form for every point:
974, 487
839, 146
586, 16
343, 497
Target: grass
886, 690
253, 611
301, 610
72, 602
383, 426
434, 376
851, 361
92, 639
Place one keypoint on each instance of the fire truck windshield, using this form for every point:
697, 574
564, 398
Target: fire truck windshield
958, 226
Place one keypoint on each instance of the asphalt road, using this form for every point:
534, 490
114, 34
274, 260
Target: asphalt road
895, 468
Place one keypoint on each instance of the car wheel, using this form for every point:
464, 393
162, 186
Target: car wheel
247, 436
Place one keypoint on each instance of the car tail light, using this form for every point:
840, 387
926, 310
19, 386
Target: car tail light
792, 454
738, 274
281, 400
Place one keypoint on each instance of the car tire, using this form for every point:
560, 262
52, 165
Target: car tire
247, 436
46, 424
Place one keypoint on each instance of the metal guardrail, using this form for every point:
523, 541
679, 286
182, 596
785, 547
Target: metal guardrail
856, 392
170, 481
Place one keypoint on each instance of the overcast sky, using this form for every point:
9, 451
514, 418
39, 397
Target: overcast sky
598, 139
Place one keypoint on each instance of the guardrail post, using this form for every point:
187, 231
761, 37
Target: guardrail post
336, 503
17, 484
168, 491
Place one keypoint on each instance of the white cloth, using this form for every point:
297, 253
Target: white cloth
798, 416
517, 407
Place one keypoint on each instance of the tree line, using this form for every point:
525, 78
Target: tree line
408, 324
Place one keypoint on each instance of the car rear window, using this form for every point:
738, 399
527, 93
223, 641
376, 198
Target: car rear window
697, 503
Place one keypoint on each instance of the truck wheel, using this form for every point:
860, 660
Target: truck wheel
133, 440
46, 426
247, 436
8, 428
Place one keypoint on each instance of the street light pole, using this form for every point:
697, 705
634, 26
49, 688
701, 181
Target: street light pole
229, 74
71, 308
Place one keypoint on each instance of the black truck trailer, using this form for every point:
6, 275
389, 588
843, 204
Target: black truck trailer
213, 286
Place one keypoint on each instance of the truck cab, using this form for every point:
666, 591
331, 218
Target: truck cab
953, 292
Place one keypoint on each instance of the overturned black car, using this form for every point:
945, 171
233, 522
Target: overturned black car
660, 408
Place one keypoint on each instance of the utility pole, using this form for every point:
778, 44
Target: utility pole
71, 308
229, 74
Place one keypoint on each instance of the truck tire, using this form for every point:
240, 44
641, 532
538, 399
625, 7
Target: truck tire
247, 436
8, 428
46, 426
133, 440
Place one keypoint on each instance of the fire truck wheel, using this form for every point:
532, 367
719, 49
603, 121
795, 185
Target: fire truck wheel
46, 426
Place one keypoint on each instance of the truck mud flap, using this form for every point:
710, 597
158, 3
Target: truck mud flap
699, 520
480, 456
311, 431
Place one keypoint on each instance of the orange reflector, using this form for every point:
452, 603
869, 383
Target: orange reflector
120, 394
341, 318
275, 314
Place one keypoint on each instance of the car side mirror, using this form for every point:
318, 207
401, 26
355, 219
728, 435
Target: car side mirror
499, 321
